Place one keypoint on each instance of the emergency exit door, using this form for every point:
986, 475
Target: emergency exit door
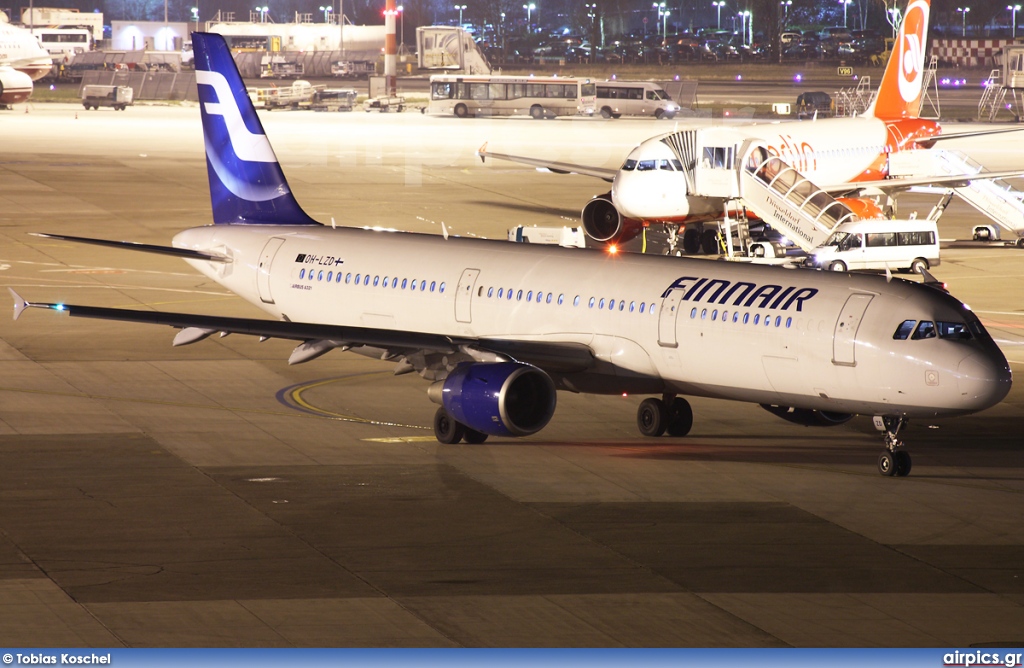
263, 271
464, 296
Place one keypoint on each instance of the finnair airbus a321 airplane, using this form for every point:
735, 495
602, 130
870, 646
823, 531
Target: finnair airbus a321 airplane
499, 327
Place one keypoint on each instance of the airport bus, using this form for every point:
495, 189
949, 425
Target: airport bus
60, 42
633, 98
487, 95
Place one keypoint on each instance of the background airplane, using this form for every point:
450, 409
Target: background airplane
848, 158
499, 327
22, 61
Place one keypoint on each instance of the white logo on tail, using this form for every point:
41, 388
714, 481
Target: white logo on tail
910, 60
246, 145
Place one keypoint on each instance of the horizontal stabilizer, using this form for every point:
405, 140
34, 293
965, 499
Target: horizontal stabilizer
184, 253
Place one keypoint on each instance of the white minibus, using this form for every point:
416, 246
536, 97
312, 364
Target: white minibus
634, 98
902, 245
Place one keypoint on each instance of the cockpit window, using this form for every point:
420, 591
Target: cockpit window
646, 165
629, 165
953, 330
904, 330
677, 165
925, 330
665, 164
977, 329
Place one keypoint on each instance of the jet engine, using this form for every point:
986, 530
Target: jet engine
500, 398
808, 417
15, 86
603, 222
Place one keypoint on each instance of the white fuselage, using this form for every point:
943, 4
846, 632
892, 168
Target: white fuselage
829, 151
750, 333
20, 50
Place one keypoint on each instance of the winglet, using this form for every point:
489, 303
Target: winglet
19, 303
482, 152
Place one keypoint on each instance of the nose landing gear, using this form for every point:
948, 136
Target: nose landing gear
894, 460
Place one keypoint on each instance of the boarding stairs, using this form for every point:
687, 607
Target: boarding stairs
782, 197
995, 198
993, 97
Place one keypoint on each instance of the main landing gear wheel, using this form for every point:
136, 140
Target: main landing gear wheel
680, 418
894, 460
670, 414
446, 429
652, 417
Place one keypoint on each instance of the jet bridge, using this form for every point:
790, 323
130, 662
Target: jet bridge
995, 198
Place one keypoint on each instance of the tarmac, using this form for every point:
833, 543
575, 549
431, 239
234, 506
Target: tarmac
212, 495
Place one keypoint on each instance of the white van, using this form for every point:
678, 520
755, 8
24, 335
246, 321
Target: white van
903, 245
633, 98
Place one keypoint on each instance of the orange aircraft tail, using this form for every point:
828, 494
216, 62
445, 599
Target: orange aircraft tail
899, 96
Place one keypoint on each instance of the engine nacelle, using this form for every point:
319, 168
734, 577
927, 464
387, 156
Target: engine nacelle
15, 86
808, 417
500, 398
603, 222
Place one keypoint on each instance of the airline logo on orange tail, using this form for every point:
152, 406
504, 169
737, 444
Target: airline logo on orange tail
911, 50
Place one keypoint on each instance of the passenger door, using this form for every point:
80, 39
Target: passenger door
263, 271
844, 341
464, 296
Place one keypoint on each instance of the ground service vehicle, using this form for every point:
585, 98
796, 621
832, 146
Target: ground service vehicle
879, 244
95, 96
633, 98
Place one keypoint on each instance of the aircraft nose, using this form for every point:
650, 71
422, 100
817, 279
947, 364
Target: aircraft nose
983, 380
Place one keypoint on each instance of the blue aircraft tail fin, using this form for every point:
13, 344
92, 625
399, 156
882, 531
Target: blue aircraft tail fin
247, 185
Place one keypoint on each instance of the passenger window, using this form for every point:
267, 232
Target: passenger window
561, 297
746, 318
642, 307
519, 296
490, 292
622, 304
904, 330
632, 305
501, 292
704, 314
925, 330
376, 280
548, 300
412, 286
576, 301
337, 279
714, 315
600, 304
302, 274
441, 287
591, 305
358, 277
651, 309
432, 283
423, 286
529, 295
508, 294
757, 318
405, 282
348, 277
330, 276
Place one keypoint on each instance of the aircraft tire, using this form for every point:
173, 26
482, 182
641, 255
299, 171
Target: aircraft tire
691, 241
709, 241
652, 417
681, 419
903, 463
887, 463
446, 429
919, 265
473, 437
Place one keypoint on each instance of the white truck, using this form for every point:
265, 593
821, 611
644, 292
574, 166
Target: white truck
95, 96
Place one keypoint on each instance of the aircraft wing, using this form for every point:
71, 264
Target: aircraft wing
550, 165
852, 188
960, 135
558, 357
